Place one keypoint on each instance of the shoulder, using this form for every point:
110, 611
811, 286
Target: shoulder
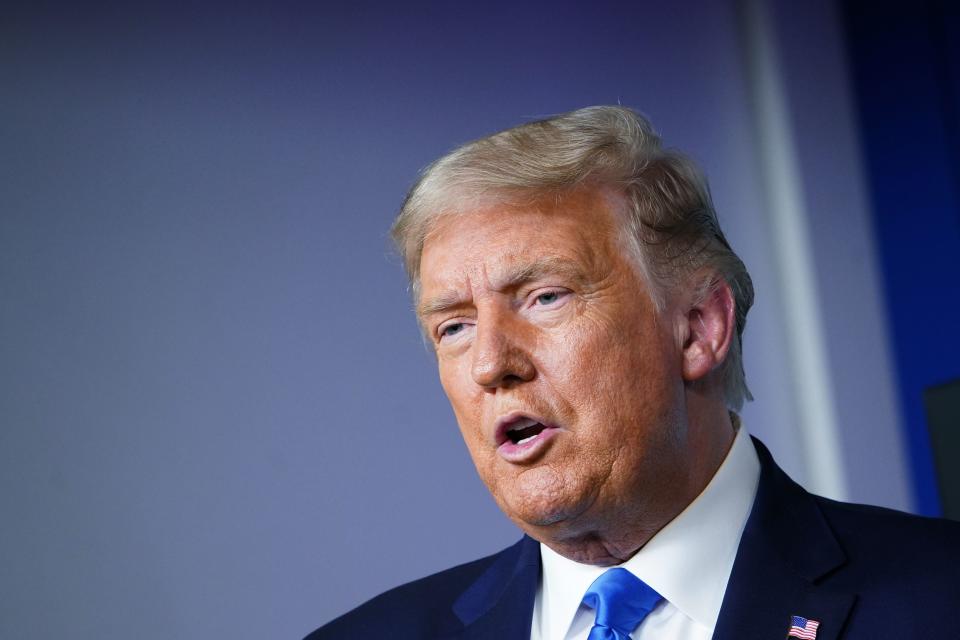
894, 544
868, 571
878, 548
870, 522
867, 528
902, 567
418, 609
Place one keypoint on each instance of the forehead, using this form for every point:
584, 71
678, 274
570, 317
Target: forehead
577, 231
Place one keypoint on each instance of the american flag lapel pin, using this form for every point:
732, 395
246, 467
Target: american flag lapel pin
803, 628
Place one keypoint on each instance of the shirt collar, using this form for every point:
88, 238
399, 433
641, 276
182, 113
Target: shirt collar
688, 561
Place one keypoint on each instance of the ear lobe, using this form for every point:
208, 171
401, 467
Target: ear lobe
710, 327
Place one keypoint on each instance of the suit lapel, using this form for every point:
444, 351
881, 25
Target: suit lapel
786, 550
499, 604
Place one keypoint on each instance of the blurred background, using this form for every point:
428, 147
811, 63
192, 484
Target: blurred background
217, 418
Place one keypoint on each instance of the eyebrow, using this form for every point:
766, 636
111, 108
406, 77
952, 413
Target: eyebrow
512, 278
439, 304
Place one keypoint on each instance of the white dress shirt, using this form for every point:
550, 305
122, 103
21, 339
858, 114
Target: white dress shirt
688, 562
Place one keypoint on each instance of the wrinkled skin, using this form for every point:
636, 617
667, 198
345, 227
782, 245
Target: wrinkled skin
542, 310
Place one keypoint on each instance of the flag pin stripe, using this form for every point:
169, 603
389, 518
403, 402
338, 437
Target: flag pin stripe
803, 628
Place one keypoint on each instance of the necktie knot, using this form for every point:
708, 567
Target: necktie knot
621, 601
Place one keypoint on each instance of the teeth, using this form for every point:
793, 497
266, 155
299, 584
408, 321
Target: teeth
527, 439
522, 423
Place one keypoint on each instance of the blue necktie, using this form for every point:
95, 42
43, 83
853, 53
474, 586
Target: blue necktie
622, 601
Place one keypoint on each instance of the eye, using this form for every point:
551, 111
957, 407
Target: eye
548, 298
450, 330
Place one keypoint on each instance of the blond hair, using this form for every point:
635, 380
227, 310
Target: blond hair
672, 224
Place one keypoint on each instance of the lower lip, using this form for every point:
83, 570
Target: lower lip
529, 450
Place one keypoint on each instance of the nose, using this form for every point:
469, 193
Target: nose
499, 357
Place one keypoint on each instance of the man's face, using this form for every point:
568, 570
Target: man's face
565, 382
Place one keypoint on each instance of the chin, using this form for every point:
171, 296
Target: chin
544, 511
542, 518
542, 497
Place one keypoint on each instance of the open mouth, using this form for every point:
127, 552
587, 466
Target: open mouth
523, 438
524, 431
518, 429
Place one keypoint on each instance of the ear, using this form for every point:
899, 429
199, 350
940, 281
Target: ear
708, 334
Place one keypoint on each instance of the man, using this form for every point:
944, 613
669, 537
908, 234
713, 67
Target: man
587, 312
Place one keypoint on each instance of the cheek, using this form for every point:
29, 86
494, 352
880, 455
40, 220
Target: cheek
591, 366
615, 376
466, 400
458, 388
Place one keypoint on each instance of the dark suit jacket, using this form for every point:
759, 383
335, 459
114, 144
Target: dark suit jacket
862, 572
